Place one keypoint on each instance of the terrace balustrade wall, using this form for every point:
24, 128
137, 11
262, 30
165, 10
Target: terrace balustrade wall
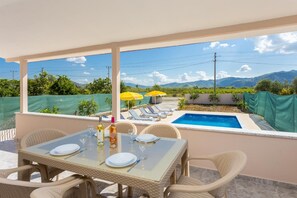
269, 156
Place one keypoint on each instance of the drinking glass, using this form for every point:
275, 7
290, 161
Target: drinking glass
131, 133
91, 130
142, 147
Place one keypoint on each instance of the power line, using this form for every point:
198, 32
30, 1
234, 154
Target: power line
196, 64
258, 63
164, 59
108, 68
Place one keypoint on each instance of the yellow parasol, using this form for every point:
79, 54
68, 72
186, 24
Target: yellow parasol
127, 96
155, 93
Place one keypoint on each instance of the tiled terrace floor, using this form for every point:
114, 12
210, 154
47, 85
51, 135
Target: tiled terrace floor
241, 187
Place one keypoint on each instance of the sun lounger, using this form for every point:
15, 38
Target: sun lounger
161, 114
122, 117
167, 113
164, 110
135, 116
148, 115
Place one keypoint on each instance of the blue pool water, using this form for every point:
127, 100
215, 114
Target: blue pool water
208, 120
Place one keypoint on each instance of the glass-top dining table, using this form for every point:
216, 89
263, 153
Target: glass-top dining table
150, 174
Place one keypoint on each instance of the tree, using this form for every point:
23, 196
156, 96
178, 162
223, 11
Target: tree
263, 85
87, 107
156, 87
276, 87
40, 84
63, 86
294, 85
123, 87
100, 86
9, 88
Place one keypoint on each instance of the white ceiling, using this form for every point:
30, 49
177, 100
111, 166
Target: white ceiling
38, 26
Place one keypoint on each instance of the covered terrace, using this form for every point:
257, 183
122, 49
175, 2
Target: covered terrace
35, 30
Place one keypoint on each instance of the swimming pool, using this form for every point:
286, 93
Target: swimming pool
208, 120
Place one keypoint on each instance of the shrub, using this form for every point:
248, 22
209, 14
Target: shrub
214, 98
181, 103
235, 98
131, 103
286, 91
263, 85
276, 87
87, 107
194, 96
54, 110
242, 105
294, 85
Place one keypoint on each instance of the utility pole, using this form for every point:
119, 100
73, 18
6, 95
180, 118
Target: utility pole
215, 73
42, 69
13, 71
108, 68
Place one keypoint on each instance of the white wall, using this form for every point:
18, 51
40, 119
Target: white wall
268, 157
203, 99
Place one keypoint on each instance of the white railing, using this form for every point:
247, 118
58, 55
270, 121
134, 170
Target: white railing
7, 134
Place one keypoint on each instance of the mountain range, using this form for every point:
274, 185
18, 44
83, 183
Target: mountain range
282, 76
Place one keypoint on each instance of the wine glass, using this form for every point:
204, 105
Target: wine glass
91, 130
131, 133
142, 147
83, 140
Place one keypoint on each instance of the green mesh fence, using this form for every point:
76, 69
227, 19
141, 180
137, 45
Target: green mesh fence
279, 111
67, 105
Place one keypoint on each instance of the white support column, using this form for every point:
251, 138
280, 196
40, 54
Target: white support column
116, 105
23, 86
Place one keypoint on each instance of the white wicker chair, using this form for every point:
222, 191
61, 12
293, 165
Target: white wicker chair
162, 130
124, 127
63, 188
229, 164
38, 137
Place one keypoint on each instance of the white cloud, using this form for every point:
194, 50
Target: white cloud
189, 77
87, 73
83, 80
233, 45
290, 37
159, 78
244, 68
217, 45
201, 75
83, 65
77, 60
284, 43
222, 74
92, 68
214, 44
224, 45
264, 44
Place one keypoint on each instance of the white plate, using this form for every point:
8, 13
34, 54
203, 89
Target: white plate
121, 160
146, 138
65, 149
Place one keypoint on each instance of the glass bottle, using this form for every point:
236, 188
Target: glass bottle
100, 132
113, 134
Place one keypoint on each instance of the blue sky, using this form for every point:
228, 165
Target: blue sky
246, 57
